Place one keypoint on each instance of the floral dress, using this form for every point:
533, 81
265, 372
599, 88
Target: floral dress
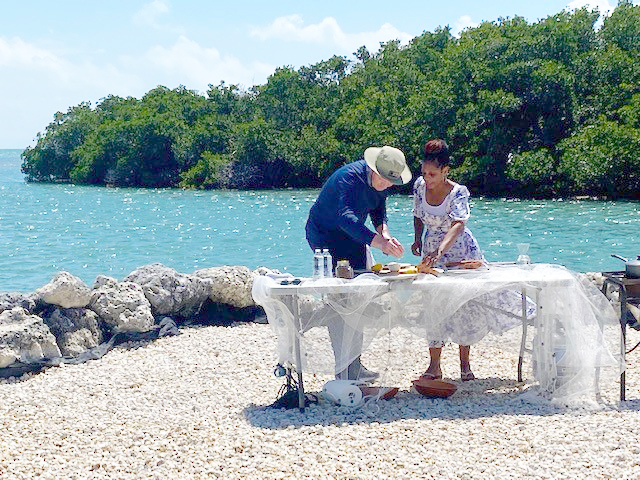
438, 219
493, 312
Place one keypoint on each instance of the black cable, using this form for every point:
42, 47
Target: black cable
638, 344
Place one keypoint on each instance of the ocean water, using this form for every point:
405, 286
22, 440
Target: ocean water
91, 231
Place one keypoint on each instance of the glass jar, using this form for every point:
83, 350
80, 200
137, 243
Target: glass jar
343, 269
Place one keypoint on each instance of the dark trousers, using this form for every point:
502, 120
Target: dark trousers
346, 342
340, 245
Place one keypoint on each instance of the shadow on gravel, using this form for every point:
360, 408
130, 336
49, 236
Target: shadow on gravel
482, 398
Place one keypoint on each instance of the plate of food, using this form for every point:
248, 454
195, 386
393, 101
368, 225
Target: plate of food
395, 269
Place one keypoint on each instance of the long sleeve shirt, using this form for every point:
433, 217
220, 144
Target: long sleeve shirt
345, 201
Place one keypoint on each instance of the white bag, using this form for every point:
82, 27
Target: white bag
345, 393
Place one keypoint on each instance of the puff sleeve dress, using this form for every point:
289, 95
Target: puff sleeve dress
493, 312
438, 219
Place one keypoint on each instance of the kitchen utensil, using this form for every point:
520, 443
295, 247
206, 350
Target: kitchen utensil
632, 266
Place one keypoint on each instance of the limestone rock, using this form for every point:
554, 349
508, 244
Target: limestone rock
104, 281
76, 330
229, 285
123, 307
24, 338
66, 291
10, 300
171, 292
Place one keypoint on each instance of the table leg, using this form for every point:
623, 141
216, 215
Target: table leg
298, 355
623, 330
524, 333
543, 342
623, 342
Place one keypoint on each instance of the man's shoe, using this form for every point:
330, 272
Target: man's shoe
356, 371
367, 375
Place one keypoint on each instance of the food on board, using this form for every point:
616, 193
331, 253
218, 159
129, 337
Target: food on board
422, 268
398, 269
466, 264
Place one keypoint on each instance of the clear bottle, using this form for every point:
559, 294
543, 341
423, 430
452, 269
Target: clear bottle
523, 257
318, 264
328, 263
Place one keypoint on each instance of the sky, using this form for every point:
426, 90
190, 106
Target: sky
56, 55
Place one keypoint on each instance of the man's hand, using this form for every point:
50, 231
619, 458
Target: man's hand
388, 245
393, 247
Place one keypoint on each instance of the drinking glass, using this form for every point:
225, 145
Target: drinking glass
523, 251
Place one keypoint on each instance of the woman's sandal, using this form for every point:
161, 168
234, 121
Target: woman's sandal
466, 376
430, 376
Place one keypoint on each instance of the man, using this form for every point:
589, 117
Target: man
337, 221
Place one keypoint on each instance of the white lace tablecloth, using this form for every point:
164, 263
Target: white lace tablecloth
568, 313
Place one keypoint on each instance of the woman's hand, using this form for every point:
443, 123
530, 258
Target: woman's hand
430, 259
416, 248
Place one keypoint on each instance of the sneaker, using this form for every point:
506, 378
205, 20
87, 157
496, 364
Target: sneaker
356, 371
367, 375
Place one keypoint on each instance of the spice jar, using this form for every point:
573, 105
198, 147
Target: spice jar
343, 269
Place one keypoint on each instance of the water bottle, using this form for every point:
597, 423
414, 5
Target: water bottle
328, 263
318, 264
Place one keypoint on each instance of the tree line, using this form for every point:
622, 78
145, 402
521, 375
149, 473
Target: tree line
543, 109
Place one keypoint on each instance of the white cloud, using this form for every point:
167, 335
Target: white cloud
195, 66
43, 82
461, 24
292, 28
14, 52
30, 63
150, 13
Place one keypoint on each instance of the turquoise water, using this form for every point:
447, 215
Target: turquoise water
89, 231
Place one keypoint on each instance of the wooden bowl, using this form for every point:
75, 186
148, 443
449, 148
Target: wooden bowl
387, 395
434, 388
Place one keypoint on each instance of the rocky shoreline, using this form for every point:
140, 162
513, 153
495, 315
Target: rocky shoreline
66, 321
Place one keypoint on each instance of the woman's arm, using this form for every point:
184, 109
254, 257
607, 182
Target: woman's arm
418, 228
450, 237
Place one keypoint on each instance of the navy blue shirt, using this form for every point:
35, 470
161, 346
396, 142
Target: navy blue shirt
342, 207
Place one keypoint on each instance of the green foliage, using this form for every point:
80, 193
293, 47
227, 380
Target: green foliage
211, 171
532, 173
622, 28
602, 159
51, 158
542, 109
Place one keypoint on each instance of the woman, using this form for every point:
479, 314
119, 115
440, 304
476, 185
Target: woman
441, 208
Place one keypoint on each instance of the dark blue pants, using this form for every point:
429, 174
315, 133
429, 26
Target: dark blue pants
340, 245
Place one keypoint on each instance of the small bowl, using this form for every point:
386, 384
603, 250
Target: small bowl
393, 266
386, 393
434, 388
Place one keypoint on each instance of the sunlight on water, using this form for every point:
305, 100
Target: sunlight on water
91, 231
